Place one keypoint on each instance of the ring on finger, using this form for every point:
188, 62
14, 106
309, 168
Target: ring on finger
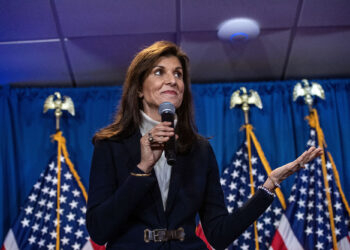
150, 137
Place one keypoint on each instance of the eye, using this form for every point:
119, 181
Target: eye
178, 74
158, 72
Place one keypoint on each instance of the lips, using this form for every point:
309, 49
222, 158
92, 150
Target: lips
169, 92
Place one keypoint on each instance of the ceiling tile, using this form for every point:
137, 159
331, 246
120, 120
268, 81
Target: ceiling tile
33, 64
325, 13
26, 20
320, 52
104, 60
213, 60
113, 17
206, 15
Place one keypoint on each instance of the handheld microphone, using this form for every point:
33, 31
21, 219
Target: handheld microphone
167, 112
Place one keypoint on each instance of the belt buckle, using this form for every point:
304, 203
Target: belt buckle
181, 232
159, 235
146, 234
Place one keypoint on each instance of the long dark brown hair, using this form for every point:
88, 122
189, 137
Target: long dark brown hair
128, 118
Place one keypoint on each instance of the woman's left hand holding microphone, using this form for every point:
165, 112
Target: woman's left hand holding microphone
152, 145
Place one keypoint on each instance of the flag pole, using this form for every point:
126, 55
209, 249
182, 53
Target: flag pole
309, 90
253, 99
245, 100
58, 192
252, 190
314, 122
59, 105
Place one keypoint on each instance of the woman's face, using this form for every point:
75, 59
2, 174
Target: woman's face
164, 84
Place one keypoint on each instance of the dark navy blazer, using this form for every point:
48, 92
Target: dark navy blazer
121, 206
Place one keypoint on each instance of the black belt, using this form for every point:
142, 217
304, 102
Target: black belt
161, 235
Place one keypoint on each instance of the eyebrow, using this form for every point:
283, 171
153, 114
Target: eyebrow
160, 66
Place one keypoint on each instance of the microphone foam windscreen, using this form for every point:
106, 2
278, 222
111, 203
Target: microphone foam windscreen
166, 107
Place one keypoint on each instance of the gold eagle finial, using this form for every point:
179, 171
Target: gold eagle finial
308, 91
245, 100
58, 105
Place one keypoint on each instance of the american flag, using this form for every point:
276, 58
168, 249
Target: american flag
36, 225
235, 182
306, 224
201, 235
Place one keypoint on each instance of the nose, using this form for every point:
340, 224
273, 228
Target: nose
170, 79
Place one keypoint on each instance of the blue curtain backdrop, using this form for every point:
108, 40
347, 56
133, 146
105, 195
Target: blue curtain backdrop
280, 127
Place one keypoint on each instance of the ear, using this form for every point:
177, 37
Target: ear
140, 94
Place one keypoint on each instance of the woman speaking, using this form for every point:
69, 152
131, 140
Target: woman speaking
138, 199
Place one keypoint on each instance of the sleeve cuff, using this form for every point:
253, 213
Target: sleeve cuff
266, 191
138, 172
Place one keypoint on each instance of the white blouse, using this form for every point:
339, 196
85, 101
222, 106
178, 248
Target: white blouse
161, 168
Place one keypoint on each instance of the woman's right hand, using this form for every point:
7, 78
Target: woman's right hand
151, 150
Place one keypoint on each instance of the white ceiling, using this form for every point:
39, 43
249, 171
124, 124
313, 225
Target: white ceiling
86, 42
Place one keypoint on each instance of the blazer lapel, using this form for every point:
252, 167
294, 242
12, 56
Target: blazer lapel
133, 145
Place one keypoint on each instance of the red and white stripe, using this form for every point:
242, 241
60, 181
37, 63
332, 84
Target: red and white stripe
344, 244
10, 242
285, 238
90, 245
